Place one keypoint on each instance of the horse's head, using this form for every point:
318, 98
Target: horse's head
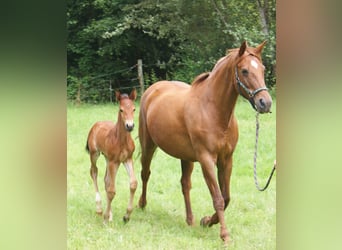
127, 108
249, 75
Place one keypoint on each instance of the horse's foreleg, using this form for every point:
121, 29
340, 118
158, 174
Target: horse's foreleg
208, 169
132, 186
224, 173
111, 171
187, 168
93, 174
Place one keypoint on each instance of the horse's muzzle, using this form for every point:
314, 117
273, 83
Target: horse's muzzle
263, 104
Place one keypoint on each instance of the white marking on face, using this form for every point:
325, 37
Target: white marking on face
254, 64
129, 122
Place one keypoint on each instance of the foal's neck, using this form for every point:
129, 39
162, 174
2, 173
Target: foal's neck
121, 133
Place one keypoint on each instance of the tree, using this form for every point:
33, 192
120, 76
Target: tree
177, 39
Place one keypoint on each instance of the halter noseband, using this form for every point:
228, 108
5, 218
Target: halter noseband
250, 93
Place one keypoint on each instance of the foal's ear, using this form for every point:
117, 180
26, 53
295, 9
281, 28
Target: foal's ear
117, 95
133, 94
260, 47
243, 48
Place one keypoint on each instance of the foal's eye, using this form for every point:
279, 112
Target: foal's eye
244, 72
121, 110
133, 110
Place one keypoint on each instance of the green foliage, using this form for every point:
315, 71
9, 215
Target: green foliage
176, 39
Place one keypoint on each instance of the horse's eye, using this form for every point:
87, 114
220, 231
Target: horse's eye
121, 110
133, 110
244, 72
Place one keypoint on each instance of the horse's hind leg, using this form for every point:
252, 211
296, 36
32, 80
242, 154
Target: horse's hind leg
93, 174
132, 186
146, 158
147, 150
187, 168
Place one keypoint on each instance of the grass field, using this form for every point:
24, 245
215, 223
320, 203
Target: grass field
250, 216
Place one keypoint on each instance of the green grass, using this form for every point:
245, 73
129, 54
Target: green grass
250, 216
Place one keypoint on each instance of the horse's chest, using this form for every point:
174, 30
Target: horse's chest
124, 154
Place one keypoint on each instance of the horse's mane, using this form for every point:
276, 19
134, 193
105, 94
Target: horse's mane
231, 54
200, 78
249, 50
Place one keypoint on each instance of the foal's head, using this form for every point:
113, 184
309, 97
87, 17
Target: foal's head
249, 75
127, 108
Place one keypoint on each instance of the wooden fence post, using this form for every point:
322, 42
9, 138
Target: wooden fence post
110, 90
141, 77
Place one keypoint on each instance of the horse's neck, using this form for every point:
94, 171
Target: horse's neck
221, 91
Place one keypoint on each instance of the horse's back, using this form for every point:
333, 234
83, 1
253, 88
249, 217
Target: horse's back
163, 89
164, 96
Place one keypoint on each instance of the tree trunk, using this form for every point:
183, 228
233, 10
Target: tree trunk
263, 9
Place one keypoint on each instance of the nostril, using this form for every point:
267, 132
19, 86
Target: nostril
129, 127
262, 103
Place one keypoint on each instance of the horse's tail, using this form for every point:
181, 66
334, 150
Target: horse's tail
87, 147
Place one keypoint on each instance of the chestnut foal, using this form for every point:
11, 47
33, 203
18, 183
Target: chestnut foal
114, 141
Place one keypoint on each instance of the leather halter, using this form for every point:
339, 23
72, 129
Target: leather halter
250, 93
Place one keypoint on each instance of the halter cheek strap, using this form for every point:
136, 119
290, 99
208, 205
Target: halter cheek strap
250, 93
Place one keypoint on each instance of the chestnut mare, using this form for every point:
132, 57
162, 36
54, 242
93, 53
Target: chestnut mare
114, 141
197, 123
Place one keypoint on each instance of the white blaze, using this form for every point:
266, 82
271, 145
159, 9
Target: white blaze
254, 64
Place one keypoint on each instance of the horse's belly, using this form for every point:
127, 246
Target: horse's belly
165, 120
176, 147
171, 136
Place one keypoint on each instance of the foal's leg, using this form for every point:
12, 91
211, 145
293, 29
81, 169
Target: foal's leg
224, 174
112, 169
132, 187
208, 169
187, 168
93, 174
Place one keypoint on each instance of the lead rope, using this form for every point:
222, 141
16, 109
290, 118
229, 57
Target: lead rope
255, 158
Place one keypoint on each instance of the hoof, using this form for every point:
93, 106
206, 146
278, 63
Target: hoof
142, 204
125, 219
225, 241
224, 236
205, 221
99, 212
190, 222
108, 217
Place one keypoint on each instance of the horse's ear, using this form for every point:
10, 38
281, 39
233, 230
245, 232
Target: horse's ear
117, 95
133, 94
260, 47
242, 49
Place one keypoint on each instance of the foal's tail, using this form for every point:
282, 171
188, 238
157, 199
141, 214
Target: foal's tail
87, 147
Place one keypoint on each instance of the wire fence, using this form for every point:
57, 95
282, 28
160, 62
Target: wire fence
101, 88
